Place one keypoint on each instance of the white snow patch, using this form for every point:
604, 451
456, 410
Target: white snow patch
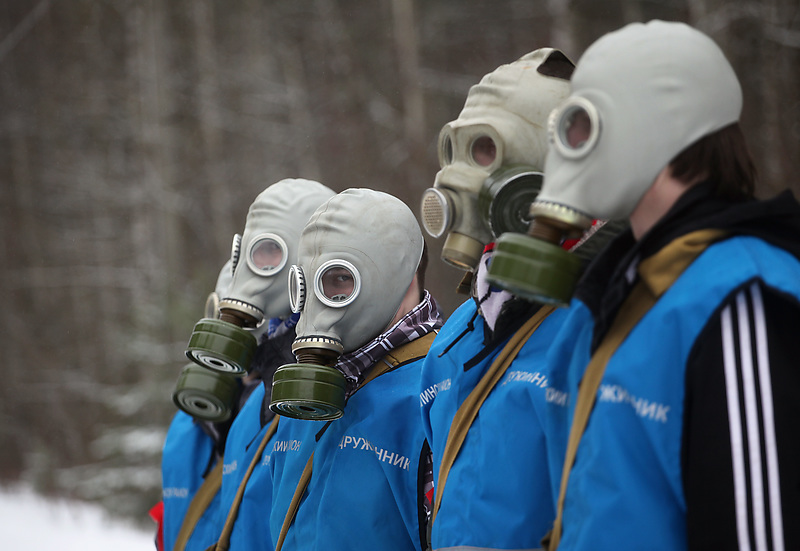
32, 522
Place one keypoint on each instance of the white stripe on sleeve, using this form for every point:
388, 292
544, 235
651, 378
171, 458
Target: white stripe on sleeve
749, 466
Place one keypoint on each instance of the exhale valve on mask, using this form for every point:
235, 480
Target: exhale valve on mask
312, 388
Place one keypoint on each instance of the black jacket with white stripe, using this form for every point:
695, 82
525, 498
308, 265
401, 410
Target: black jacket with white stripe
770, 449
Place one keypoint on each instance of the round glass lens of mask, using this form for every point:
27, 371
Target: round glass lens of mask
577, 127
484, 150
337, 283
445, 149
297, 288
266, 254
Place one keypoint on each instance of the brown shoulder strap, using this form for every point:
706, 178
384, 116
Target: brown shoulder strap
294, 505
657, 273
417, 348
200, 502
225, 537
468, 410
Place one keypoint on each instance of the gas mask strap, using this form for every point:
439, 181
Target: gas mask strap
305, 477
679, 255
227, 530
469, 408
199, 505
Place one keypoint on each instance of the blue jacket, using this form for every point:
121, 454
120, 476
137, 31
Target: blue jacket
364, 492
187, 455
251, 529
497, 494
629, 487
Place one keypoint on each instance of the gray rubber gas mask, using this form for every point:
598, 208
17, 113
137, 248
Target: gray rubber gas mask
640, 96
260, 260
492, 155
357, 259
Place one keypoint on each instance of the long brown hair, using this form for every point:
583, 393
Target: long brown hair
723, 159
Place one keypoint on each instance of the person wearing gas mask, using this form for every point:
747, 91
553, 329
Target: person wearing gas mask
194, 445
345, 461
483, 385
674, 378
235, 349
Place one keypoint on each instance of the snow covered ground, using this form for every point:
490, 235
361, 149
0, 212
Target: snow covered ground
32, 523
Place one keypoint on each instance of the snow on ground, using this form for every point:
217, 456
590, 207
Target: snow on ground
30, 522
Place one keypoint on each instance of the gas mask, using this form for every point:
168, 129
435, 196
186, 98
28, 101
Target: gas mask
640, 96
491, 156
203, 393
357, 258
260, 259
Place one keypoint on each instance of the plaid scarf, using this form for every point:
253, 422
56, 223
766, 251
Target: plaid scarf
424, 318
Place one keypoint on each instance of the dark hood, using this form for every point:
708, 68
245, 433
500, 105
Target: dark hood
608, 280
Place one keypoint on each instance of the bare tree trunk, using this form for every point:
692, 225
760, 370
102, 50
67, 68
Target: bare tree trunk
779, 145
153, 230
300, 120
406, 45
208, 107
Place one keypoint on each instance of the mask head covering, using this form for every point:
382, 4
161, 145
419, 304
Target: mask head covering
640, 95
203, 393
260, 260
357, 259
492, 156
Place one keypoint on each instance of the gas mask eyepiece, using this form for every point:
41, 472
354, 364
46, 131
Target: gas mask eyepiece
267, 254
574, 128
312, 388
337, 283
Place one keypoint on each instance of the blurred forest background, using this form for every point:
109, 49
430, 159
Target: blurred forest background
134, 134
